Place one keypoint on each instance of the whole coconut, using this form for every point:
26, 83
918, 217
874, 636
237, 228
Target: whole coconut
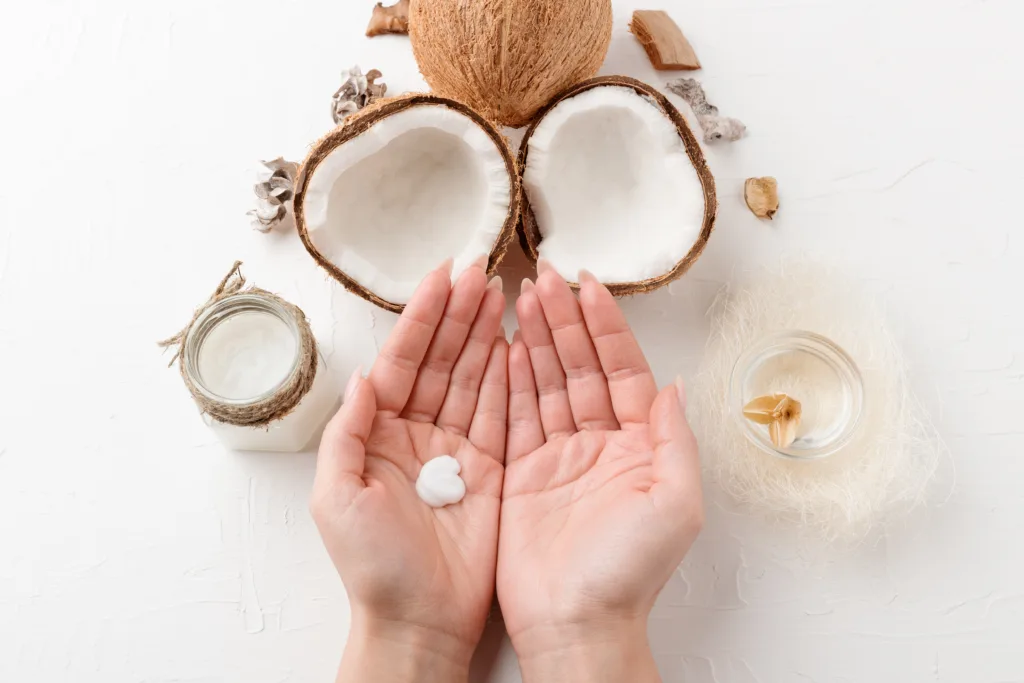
507, 58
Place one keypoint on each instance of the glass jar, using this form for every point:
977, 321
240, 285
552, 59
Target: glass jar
246, 352
811, 369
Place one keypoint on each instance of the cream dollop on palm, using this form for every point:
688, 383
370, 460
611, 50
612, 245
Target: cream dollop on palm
438, 387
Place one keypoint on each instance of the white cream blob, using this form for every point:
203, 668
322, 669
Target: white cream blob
439, 483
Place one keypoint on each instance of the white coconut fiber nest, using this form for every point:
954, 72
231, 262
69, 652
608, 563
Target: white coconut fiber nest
883, 471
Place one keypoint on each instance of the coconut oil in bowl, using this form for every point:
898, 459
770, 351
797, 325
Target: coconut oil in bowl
810, 370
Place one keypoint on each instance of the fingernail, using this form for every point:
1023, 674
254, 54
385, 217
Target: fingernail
447, 265
526, 287
501, 333
543, 266
681, 391
353, 382
586, 276
480, 262
516, 336
495, 283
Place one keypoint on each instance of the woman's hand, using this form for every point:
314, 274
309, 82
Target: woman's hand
420, 580
602, 494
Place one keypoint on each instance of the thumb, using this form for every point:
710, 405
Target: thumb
342, 453
676, 463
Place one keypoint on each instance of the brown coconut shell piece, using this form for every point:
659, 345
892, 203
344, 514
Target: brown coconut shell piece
762, 196
666, 46
392, 19
359, 123
529, 233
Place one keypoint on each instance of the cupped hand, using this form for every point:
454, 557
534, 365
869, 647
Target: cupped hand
416, 575
602, 494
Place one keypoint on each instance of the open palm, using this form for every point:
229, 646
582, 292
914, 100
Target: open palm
602, 489
438, 387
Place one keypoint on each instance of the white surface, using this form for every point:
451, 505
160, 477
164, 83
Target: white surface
603, 160
418, 187
134, 548
439, 483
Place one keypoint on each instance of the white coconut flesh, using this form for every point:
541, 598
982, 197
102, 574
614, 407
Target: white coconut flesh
417, 187
611, 187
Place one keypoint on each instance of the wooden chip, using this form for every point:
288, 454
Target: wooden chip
393, 19
780, 412
666, 46
764, 409
762, 196
783, 432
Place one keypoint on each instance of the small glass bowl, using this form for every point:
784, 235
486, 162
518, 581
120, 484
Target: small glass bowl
811, 369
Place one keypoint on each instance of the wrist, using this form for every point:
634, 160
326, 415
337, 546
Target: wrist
399, 652
594, 651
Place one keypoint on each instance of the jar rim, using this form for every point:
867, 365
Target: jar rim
217, 313
808, 342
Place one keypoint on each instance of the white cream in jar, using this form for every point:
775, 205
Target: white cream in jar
245, 353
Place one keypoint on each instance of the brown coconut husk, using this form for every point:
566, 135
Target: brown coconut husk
508, 58
357, 124
529, 233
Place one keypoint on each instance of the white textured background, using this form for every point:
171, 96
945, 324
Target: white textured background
133, 548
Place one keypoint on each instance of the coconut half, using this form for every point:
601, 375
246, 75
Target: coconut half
614, 182
402, 185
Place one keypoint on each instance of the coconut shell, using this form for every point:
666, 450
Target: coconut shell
508, 58
357, 124
529, 233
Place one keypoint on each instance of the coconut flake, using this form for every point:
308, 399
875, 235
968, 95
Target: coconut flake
612, 188
418, 186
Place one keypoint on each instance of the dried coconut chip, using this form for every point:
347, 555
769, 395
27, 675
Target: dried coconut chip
780, 412
666, 46
762, 196
393, 19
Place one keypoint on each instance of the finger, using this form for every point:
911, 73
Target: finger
431, 384
487, 431
342, 454
630, 381
395, 370
464, 386
553, 396
585, 380
524, 430
676, 463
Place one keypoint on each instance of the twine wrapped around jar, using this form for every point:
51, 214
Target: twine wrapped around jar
283, 399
